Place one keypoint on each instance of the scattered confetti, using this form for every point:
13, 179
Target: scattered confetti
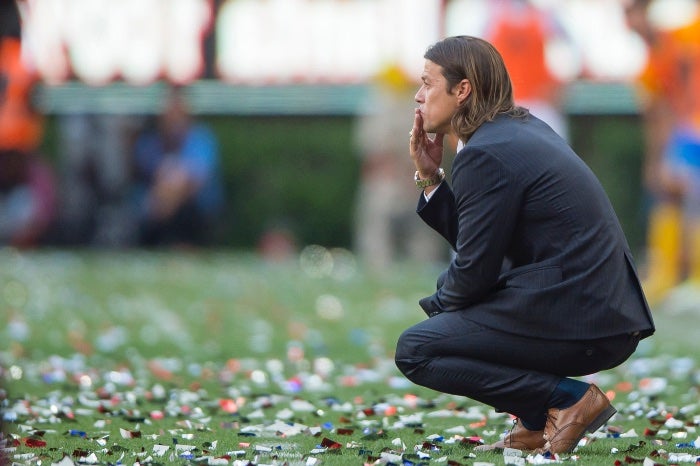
301, 407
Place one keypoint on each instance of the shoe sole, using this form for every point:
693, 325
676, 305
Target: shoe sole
601, 419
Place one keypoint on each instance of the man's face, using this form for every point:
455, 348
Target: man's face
437, 105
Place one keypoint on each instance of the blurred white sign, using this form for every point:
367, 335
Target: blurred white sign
102, 40
305, 41
279, 41
258, 41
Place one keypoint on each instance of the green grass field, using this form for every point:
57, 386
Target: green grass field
221, 358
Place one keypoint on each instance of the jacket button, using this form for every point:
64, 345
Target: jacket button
589, 352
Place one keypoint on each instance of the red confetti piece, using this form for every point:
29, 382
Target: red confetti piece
624, 387
473, 440
430, 446
345, 431
348, 381
129, 433
411, 400
80, 453
228, 406
328, 443
34, 442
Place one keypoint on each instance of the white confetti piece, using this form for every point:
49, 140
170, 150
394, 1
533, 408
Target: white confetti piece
126, 433
181, 448
682, 458
673, 423
397, 442
285, 414
540, 459
90, 459
216, 461
456, 430
302, 406
159, 450
390, 457
512, 452
65, 461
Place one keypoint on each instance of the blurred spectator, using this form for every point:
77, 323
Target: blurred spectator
670, 97
95, 180
26, 183
520, 31
179, 189
27, 199
386, 229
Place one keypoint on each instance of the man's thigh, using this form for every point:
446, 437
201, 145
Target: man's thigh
454, 334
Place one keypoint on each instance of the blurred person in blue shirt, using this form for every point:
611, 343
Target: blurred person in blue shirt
179, 189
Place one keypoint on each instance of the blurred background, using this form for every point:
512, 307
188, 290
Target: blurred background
270, 125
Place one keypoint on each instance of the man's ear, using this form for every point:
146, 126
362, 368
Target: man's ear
463, 88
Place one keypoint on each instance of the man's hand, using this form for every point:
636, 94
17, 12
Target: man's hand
425, 152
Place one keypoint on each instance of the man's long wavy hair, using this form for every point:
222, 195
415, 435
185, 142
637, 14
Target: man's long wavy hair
474, 59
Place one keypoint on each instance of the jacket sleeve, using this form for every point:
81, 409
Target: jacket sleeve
439, 213
486, 199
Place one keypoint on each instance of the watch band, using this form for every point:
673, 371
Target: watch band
433, 180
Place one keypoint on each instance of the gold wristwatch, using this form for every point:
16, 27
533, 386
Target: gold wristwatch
433, 180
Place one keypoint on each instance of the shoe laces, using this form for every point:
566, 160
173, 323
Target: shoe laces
509, 436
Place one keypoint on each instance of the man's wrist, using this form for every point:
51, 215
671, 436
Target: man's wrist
423, 183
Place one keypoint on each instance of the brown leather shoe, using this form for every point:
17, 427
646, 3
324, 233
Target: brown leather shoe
519, 438
565, 427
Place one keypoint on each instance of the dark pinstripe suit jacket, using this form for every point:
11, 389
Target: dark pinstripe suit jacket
539, 249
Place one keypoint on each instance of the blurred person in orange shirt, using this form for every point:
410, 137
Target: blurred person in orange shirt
669, 90
27, 190
520, 31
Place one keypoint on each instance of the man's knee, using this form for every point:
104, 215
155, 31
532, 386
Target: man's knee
408, 356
